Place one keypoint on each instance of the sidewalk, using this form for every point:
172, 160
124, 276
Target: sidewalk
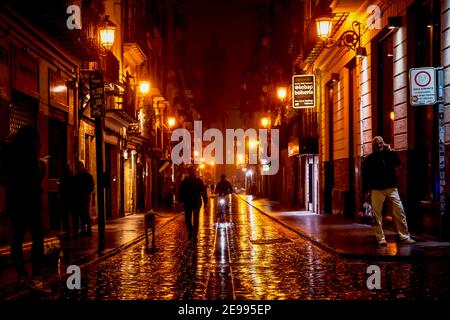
347, 238
83, 251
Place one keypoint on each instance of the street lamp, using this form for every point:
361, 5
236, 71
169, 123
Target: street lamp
282, 93
107, 32
324, 23
171, 122
240, 158
253, 143
144, 87
106, 35
350, 39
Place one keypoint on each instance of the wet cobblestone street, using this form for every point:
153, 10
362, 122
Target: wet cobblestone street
246, 255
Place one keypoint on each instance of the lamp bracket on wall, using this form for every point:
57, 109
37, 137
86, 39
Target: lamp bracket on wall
350, 39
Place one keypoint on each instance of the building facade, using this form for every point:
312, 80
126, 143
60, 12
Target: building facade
46, 80
358, 98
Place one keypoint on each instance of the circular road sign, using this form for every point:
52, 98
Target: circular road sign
422, 79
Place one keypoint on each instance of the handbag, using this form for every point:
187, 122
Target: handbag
365, 213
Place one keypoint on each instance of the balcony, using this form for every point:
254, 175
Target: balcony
133, 53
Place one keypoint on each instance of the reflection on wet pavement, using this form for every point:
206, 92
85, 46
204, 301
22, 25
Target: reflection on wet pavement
246, 255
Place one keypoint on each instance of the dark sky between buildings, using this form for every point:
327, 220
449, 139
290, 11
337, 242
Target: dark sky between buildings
237, 25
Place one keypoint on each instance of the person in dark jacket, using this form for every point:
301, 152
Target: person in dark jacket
24, 204
84, 183
379, 183
224, 187
192, 190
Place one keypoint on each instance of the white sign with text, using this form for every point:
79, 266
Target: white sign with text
422, 84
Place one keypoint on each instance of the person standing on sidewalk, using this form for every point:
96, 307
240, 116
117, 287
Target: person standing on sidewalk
84, 187
24, 204
192, 190
379, 183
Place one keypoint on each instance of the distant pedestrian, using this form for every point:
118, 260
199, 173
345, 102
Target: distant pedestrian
84, 184
379, 183
67, 198
223, 187
192, 190
24, 204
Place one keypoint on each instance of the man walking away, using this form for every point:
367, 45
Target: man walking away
85, 186
192, 190
379, 183
224, 187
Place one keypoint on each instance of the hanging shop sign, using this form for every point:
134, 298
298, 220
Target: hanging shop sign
303, 91
96, 88
422, 84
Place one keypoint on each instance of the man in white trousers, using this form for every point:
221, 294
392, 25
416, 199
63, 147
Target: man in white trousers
379, 182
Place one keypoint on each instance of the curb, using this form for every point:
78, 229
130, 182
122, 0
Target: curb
347, 255
124, 246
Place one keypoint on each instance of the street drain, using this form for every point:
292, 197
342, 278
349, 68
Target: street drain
270, 241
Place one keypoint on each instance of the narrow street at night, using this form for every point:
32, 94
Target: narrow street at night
229, 154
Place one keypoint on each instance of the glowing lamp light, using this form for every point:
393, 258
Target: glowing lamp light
265, 122
323, 25
171, 122
144, 87
59, 89
281, 93
222, 201
107, 33
253, 144
202, 166
392, 115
